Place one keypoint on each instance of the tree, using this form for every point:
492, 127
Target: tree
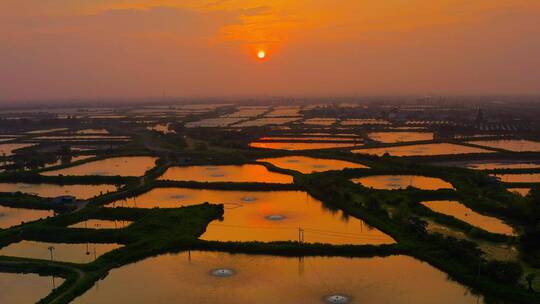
530, 279
504, 272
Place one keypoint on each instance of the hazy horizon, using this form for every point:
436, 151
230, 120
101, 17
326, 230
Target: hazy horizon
126, 49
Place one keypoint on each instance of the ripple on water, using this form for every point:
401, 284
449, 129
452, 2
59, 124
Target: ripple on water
337, 299
275, 217
222, 272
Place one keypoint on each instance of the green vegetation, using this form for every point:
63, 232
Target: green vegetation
397, 213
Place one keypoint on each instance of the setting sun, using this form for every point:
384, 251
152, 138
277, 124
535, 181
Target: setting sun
261, 54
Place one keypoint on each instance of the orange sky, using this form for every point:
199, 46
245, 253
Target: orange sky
129, 48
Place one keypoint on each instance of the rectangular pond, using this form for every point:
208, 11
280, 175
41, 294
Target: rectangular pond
501, 165
123, 166
394, 182
312, 138
295, 146
422, 150
519, 178
214, 277
64, 252
265, 216
8, 149
395, 137
521, 191
26, 288
10, 217
52, 190
465, 214
309, 165
515, 145
243, 173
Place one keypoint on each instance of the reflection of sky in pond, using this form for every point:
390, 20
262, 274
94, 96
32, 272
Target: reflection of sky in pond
271, 279
246, 212
18, 288
393, 182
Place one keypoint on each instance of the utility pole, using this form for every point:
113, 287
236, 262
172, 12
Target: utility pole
300, 235
51, 249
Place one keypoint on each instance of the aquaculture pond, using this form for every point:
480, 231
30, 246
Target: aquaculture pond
123, 166
74, 253
515, 145
312, 138
463, 213
519, 178
520, 191
422, 150
101, 224
394, 182
243, 173
295, 146
308, 165
214, 277
10, 217
26, 288
265, 216
501, 165
8, 149
395, 137
52, 190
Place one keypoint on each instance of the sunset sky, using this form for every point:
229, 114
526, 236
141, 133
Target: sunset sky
197, 48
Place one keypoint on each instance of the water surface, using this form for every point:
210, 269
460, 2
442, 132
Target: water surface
294, 146
312, 138
395, 137
265, 216
515, 145
10, 217
501, 165
244, 173
8, 149
519, 178
52, 190
123, 166
422, 150
186, 278
74, 253
308, 165
26, 288
393, 182
521, 191
464, 213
